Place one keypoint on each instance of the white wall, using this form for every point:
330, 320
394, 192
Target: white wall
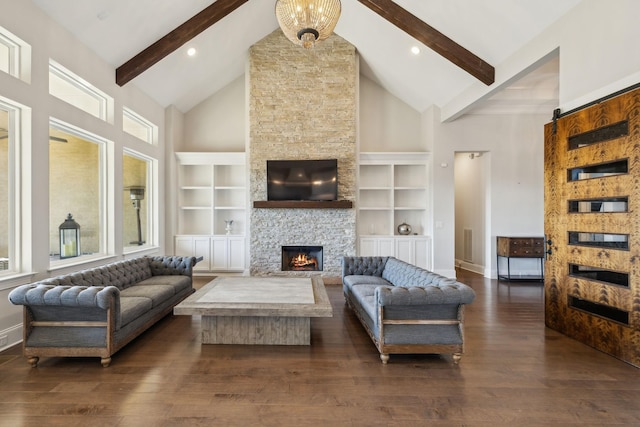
218, 123
387, 123
49, 40
174, 142
599, 50
514, 203
500, 193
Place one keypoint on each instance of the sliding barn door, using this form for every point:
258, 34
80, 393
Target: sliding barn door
592, 226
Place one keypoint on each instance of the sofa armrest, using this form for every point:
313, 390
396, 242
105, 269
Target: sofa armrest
172, 265
363, 265
453, 293
66, 296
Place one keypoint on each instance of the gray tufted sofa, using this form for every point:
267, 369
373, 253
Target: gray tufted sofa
96, 312
404, 308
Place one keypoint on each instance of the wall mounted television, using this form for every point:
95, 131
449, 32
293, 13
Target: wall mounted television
302, 180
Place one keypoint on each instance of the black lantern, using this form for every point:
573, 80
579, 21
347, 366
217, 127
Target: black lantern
69, 238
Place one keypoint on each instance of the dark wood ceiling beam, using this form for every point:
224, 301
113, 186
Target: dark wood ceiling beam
176, 38
433, 39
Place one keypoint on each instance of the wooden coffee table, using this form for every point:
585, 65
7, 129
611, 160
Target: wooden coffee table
258, 310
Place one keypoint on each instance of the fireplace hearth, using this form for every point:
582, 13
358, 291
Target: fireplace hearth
302, 258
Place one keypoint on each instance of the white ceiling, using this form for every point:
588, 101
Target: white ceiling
117, 30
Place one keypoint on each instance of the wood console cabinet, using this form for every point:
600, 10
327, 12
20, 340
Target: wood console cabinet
519, 247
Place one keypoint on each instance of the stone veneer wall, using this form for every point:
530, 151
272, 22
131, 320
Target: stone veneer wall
302, 105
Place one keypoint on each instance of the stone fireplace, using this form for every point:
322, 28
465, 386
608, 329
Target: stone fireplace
302, 105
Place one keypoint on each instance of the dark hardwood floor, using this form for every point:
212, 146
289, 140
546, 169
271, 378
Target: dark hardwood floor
514, 372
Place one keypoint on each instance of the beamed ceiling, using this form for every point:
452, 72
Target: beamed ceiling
461, 42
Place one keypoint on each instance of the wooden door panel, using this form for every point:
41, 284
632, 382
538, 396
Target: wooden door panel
592, 276
613, 186
602, 293
596, 257
600, 223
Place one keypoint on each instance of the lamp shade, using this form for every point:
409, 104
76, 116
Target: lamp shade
136, 193
306, 22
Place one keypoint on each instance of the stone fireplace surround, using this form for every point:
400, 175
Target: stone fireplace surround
302, 105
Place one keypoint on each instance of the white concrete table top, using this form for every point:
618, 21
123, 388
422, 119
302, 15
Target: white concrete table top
259, 296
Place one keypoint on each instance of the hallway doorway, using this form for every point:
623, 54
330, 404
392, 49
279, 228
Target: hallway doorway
472, 212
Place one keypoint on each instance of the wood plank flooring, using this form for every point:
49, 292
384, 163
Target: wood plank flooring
515, 372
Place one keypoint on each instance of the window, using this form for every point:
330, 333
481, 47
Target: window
65, 85
7, 62
137, 200
11, 218
5, 196
15, 56
138, 126
77, 187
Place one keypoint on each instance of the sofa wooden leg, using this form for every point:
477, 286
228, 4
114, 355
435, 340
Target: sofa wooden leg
105, 362
33, 361
456, 358
384, 357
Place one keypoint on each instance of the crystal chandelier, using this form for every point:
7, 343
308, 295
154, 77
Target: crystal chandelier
306, 22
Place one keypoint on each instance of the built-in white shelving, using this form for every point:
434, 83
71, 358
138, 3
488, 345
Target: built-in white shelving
212, 190
393, 188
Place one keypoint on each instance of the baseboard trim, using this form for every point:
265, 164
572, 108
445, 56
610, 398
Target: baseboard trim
474, 268
13, 335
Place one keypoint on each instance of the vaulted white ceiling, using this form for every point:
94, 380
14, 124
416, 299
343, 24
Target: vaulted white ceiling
117, 30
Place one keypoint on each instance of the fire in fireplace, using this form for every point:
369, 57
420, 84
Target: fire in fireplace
302, 258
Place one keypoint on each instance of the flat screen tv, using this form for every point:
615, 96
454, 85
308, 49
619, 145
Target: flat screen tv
302, 180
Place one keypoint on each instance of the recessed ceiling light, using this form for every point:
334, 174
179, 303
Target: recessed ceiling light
191, 51
415, 50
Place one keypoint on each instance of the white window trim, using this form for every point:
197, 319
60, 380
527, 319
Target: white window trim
152, 202
151, 129
19, 189
105, 101
19, 55
14, 55
106, 197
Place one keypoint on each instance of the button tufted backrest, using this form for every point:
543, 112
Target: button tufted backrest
404, 274
129, 272
51, 293
120, 274
171, 265
367, 265
451, 293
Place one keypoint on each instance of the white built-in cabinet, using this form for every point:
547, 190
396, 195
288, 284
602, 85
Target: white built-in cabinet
212, 190
393, 188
